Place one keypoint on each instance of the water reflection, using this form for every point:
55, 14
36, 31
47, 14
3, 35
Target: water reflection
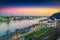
3, 27
12, 25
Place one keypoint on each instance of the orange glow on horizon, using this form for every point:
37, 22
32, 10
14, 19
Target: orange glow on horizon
32, 11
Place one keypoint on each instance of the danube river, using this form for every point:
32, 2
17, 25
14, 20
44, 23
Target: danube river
12, 25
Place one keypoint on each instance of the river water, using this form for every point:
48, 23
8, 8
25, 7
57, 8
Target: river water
12, 25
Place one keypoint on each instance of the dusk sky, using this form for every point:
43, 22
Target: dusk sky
38, 8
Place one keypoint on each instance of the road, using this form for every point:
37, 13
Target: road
22, 35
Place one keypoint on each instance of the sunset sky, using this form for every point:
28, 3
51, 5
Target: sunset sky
34, 8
